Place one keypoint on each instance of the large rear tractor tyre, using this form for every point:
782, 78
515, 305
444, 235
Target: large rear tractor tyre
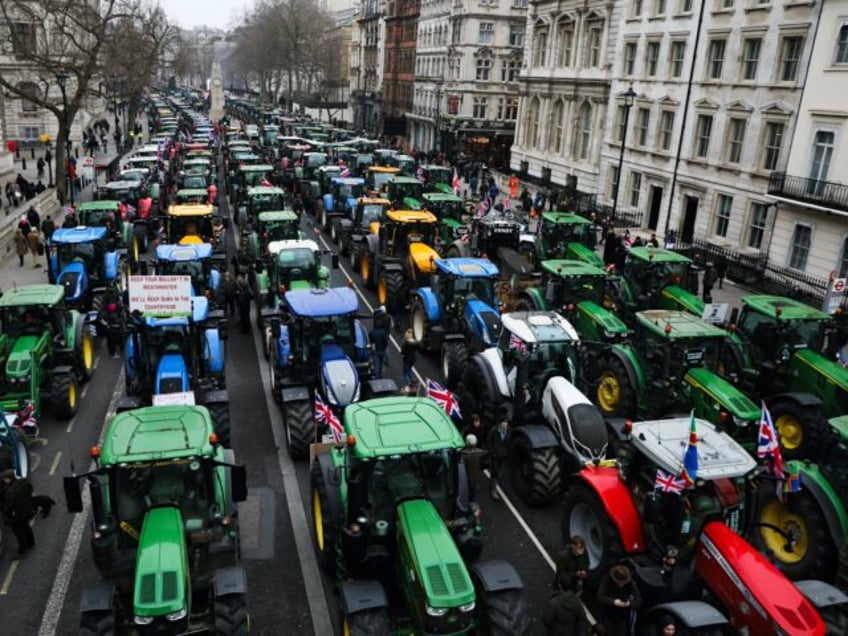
803, 430
85, 355
375, 622
454, 360
366, 269
231, 617
584, 515
323, 524
300, 428
536, 474
419, 322
65, 395
505, 613
220, 414
272, 370
334, 231
614, 395
390, 291
100, 623
802, 548
483, 394
353, 256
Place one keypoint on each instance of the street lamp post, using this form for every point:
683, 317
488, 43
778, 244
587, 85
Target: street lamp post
61, 80
629, 96
437, 130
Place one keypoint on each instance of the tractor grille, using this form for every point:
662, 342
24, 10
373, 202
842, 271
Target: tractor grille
148, 588
459, 582
169, 586
437, 580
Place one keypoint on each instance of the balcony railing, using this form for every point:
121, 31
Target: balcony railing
822, 193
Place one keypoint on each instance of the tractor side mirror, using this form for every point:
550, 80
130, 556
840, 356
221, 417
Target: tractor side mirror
275, 328
224, 330
238, 482
73, 494
335, 260
734, 316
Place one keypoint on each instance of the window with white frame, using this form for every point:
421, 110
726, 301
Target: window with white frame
757, 226
565, 43
643, 120
724, 207
456, 32
841, 56
516, 36
619, 123
595, 35
659, 7
635, 187
715, 59
666, 130
799, 250
28, 133
686, 6
735, 139
613, 181
558, 121
24, 38
484, 67
533, 123
540, 47
772, 144
480, 106
519, 4
677, 55
629, 58
585, 132
703, 130
510, 70
511, 109
30, 94
652, 56
843, 261
751, 58
790, 57
636, 9
724, 4
487, 33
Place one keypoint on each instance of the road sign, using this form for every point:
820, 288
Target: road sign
836, 294
161, 296
839, 285
715, 313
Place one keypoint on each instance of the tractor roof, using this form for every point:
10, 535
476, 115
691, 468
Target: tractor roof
41, 295
399, 426
190, 210
192, 192
565, 218
277, 215
253, 191
411, 216
245, 155
120, 185
437, 197
329, 168
566, 267
467, 267
373, 201
183, 252
275, 247
539, 326
98, 206
664, 442
318, 303
157, 433
350, 181
257, 167
657, 255
402, 179
682, 324
789, 309
196, 160
79, 234
384, 169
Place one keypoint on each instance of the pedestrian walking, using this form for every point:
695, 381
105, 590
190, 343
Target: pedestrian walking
408, 353
472, 457
243, 299
10, 193
574, 562
229, 289
721, 270
563, 614
23, 225
33, 217
40, 167
21, 245
620, 599
34, 240
379, 338
710, 278
19, 506
498, 443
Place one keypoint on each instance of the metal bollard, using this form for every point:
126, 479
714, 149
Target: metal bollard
23, 163
32, 150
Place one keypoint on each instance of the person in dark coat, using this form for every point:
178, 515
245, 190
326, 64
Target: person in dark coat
33, 218
379, 337
619, 599
498, 443
563, 614
408, 353
721, 270
244, 297
573, 561
710, 278
609, 248
19, 506
472, 457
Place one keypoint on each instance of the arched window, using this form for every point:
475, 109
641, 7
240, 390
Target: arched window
31, 91
584, 134
558, 123
533, 123
540, 45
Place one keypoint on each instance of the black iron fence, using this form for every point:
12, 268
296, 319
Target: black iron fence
824, 193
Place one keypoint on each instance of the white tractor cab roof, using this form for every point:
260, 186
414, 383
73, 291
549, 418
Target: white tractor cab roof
664, 442
539, 327
274, 247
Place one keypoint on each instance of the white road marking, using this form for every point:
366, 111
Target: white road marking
71, 424
7, 581
96, 362
84, 391
55, 464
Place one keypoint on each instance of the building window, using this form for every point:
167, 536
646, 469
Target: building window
585, 134
31, 93
487, 33
666, 129
735, 139
484, 66
24, 39
642, 121
842, 46
613, 181
519, 4
619, 123
594, 44
659, 7
511, 111
751, 58
757, 229
28, 133
540, 47
629, 58
790, 56
703, 130
685, 6
843, 263
800, 248
716, 59
635, 188
510, 70
480, 106
722, 217
725, 4
516, 36
565, 42
533, 123
678, 52
558, 120
652, 56
772, 142
636, 11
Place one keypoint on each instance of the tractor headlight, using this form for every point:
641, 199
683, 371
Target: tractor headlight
143, 620
178, 615
437, 611
468, 607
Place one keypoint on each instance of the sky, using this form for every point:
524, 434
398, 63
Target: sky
213, 13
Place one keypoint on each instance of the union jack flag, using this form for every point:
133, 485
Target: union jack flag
444, 397
345, 172
324, 416
455, 184
419, 174
517, 344
484, 207
689, 469
666, 482
768, 447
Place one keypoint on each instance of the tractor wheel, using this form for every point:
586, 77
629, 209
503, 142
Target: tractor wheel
614, 394
300, 428
483, 394
390, 291
454, 360
334, 231
325, 219
366, 269
85, 355
536, 474
323, 525
803, 430
375, 622
220, 414
505, 613
801, 518
418, 323
231, 617
265, 335
344, 245
353, 255
101, 623
65, 395
584, 515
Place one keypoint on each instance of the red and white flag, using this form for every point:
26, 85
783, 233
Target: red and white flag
324, 416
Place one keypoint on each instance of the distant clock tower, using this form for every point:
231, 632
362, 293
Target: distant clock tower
216, 88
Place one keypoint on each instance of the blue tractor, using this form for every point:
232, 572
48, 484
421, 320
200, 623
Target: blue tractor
84, 261
340, 201
179, 360
196, 261
319, 346
457, 315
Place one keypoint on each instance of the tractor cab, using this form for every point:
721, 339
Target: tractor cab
297, 264
83, 262
344, 192
105, 213
191, 225
451, 212
193, 181
125, 191
377, 177
191, 196
190, 260
370, 211
405, 193
655, 278
497, 236
409, 233
461, 281
262, 199
437, 179
280, 225
567, 235
324, 177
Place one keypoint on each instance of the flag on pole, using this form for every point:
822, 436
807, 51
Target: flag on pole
324, 416
457, 187
517, 344
344, 171
689, 469
666, 482
793, 481
768, 447
445, 398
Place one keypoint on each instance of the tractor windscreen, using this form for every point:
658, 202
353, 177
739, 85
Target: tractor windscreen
281, 230
182, 483
419, 233
70, 252
296, 263
194, 182
438, 175
475, 288
267, 202
579, 288
96, 218
380, 179
398, 477
370, 213
348, 190
194, 269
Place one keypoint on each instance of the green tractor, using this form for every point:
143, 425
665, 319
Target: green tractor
164, 527
454, 218
260, 199
393, 522
267, 227
46, 349
405, 193
563, 235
